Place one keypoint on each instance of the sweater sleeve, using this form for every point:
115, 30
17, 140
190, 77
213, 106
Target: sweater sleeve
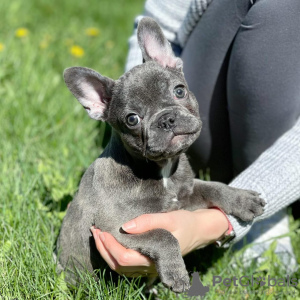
177, 18
276, 175
194, 13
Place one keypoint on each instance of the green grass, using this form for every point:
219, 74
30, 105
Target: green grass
47, 141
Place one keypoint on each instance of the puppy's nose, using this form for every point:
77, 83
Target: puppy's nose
167, 121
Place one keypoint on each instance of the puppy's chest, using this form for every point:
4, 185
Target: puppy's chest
170, 199
170, 189
157, 195
166, 173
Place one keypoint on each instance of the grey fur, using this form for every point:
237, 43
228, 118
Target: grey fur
126, 180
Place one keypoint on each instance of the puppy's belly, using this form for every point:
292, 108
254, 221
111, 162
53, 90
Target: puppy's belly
112, 220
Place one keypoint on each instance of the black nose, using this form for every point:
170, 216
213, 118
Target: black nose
167, 122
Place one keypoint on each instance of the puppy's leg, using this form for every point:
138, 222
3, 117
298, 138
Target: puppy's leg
244, 204
163, 248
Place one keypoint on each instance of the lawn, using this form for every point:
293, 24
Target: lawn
47, 141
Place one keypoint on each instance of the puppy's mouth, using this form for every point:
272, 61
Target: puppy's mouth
174, 145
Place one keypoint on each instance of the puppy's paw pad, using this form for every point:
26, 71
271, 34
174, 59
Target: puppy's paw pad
248, 205
181, 284
177, 282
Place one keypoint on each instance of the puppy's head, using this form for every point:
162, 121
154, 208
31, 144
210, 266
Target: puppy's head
150, 106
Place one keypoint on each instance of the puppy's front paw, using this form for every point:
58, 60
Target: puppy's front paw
247, 205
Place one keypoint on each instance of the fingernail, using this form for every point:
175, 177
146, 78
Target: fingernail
101, 236
92, 228
129, 225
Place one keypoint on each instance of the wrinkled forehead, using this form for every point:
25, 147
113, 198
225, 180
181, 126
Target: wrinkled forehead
149, 81
145, 79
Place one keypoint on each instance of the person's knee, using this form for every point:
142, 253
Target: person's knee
269, 11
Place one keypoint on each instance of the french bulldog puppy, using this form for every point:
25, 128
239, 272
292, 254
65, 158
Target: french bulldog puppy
154, 119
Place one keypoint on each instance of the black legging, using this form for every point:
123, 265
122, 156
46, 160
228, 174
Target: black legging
242, 62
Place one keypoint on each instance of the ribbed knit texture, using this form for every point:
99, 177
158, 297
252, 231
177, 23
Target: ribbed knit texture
276, 173
195, 11
134, 56
169, 14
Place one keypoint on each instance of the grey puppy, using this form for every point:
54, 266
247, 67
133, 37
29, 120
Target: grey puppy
143, 169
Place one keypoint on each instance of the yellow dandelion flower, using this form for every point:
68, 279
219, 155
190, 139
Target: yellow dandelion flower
109, 44
76, 51
92, 31
22, 32
1, 47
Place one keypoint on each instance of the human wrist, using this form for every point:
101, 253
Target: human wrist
212, 225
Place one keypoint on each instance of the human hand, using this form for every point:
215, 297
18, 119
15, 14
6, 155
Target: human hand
193, 230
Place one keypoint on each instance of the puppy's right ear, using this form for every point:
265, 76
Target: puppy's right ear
155, 46
92, 90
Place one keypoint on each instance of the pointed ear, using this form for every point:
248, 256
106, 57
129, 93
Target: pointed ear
155, 46
92, 90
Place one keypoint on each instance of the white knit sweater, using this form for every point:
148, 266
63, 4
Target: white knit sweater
276, 173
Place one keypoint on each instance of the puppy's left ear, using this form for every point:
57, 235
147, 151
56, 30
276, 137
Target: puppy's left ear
91, 89
155, 46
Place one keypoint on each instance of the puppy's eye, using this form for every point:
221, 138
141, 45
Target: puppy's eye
179, 91
133, 119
